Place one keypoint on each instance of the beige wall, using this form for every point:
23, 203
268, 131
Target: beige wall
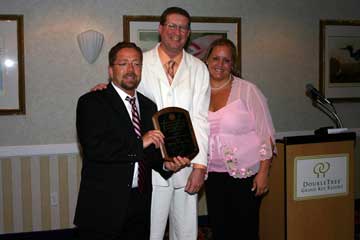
280, 52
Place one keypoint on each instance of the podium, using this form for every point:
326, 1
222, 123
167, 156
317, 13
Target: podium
311, 192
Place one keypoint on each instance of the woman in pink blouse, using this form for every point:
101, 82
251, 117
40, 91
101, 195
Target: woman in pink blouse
241, 147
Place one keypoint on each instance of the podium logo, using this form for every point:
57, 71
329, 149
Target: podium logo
321, 168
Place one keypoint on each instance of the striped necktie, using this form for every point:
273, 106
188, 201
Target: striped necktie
170, 69
137, 129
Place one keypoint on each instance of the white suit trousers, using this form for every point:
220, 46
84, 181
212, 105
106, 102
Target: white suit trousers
180, 207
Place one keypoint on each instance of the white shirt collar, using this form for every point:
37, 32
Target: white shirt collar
123, 96
122, 93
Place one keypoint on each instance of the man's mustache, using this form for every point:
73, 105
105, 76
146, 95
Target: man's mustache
131, 74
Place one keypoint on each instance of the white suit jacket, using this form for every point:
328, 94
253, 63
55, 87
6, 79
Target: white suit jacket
190, 90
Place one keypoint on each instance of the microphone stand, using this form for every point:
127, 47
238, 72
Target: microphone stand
326, 106
330, 112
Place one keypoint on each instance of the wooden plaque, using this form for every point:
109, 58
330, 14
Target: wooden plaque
180, 140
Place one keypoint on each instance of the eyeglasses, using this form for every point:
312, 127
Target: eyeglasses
174, 27
126, 64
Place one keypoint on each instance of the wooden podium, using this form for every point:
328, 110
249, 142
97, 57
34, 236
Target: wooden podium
311, 192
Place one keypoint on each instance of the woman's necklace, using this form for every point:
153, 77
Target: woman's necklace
222, 85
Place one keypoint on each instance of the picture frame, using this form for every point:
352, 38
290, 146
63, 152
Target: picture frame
12, 79
340, 59
143, 31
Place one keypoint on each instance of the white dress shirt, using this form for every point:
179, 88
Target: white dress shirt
128, 106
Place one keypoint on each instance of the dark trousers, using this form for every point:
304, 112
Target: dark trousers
232, 207
136, 224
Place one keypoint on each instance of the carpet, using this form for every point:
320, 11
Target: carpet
204, 231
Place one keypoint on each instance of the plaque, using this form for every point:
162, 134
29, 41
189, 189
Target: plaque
180, 140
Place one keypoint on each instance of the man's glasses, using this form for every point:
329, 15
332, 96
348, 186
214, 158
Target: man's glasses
174, 27
126, 64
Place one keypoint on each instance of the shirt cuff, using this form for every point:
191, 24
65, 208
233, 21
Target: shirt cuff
165, 169
196, 165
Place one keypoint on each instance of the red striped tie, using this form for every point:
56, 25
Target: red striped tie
137, 129
170, 70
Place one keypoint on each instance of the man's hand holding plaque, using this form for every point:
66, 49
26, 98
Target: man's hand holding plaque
179, 136
153, 137
157, 138
177, 163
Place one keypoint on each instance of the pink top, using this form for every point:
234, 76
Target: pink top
241, 133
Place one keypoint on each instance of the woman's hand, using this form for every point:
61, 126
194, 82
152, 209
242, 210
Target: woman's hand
260, 184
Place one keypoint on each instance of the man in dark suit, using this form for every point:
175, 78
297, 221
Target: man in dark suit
119, 149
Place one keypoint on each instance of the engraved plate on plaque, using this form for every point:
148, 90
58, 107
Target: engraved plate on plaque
180, 140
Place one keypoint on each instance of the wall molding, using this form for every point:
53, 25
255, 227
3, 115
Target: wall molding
30, 150
53, 149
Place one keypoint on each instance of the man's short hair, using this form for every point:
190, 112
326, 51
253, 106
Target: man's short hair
174, 10
115, 49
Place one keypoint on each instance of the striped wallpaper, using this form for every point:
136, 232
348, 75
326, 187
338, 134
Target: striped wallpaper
38, 192
39, 186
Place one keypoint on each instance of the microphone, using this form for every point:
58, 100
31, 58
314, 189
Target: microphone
314, 94
324, 105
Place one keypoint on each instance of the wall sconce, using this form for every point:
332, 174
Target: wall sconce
90, 43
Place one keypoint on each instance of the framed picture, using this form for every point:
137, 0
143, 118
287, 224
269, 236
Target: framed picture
340, 59
12, 85
143, 30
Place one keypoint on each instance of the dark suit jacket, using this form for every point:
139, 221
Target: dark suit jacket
110, 148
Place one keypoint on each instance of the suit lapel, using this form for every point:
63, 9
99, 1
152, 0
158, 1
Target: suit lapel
119, 107
115, 100
156, 67
182, 73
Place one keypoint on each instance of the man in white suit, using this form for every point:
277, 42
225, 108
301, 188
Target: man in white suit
174, 78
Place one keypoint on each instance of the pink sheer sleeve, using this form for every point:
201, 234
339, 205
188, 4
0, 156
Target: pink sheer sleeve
257, 105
